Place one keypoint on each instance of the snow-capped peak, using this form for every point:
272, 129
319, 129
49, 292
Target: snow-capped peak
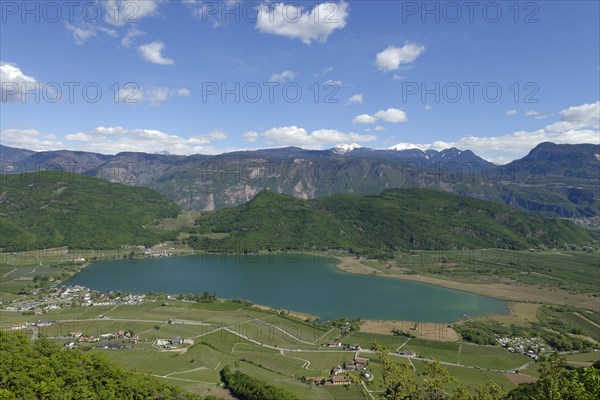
404, 146
345, 148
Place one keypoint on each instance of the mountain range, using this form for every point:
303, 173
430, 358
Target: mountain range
553, 179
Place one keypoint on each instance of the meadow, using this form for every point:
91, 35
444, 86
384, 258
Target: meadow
284, 349
280, 349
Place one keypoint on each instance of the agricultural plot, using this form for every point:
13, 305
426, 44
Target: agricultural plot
583, 358
270, 360
280, 349
322, 362
471, 378
300, 389
441, 351
588, 327
284, 335
365, 340
490, 357
575, 271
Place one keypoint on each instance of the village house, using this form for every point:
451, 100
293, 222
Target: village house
107, 336
408, 353
111, 346
172, 343
361, 362
349, 366
89, 339
340, 380
334, 343
317, 380
336, 370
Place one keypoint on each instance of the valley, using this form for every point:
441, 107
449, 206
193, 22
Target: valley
284, 290
277, 200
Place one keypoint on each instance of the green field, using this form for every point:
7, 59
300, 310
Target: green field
282, 349
576, 271
588, 327
279, 349
591, 357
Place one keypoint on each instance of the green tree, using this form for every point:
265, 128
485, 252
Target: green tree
460, 393
399, 379
489, 391
553, 381
434, 378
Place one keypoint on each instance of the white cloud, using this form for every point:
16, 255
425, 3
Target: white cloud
284, 76
30, 139
379, 128
427, 107
13, 82
119, 12
250, 137
398, 77
130, 35
295, 22
295, 136
109, 32
80, 35
152, 52
578, 124
156, 96
152, 95
355, 99
392, 115
535, 114
512, 112
364, 119
118, 139
332, 82
578, 117
392, 57
217, 135
325, 71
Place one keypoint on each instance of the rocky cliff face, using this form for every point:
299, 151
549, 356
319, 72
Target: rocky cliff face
559, 180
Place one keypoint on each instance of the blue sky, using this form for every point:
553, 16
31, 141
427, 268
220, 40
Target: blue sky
374, 58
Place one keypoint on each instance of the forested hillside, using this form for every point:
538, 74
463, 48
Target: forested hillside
50, 209
43, 370
396, 219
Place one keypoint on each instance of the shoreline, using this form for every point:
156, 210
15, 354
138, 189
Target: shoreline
512, 293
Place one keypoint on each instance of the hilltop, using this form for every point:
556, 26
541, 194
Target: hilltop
51, 209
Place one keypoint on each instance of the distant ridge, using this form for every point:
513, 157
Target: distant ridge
553, 179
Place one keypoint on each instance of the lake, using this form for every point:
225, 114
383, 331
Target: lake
302, 283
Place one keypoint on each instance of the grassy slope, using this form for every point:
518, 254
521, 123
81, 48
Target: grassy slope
393, 220
56, 209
